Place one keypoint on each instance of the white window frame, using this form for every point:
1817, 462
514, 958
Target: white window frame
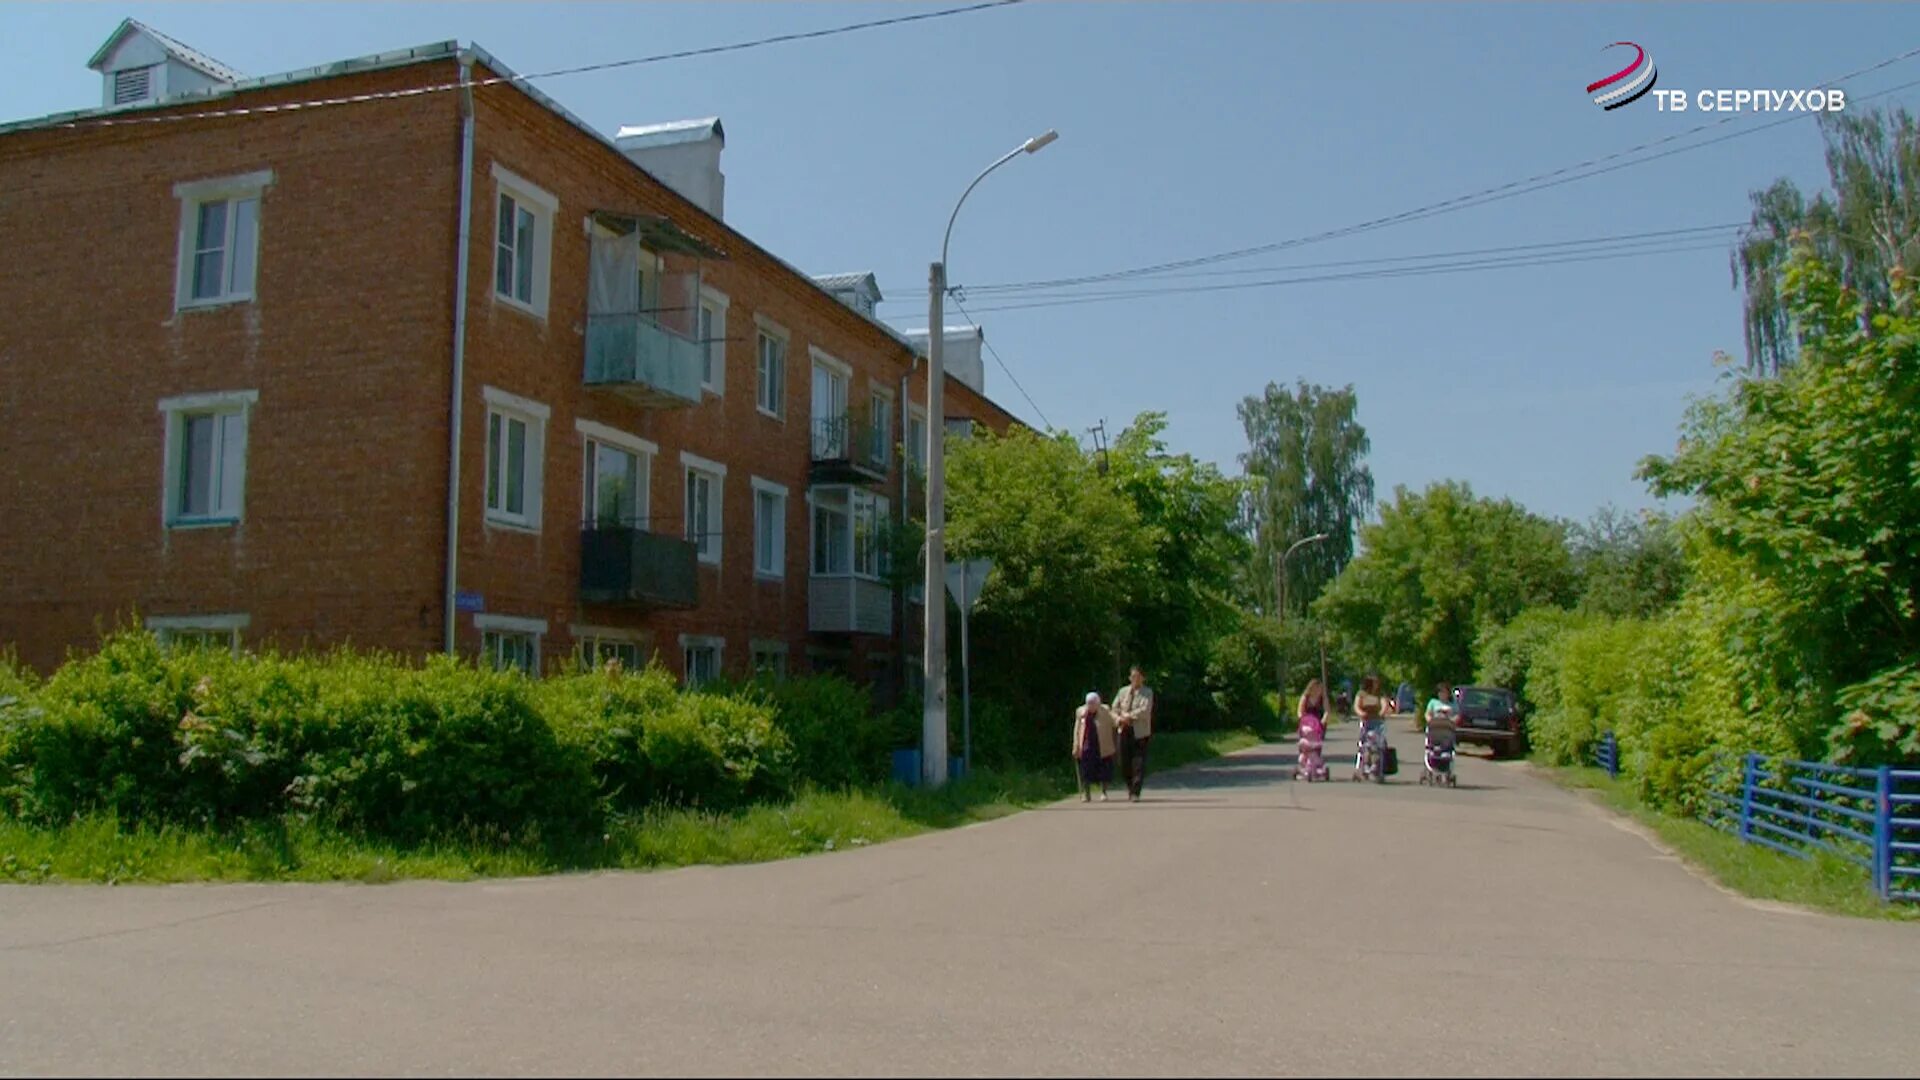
690, 642
500, 626
773, 330
587, 641
836, 368
715, 340
167, 627
510, 406
594, 433
880, 423
778, 559
194, 194
545, 210
816, 507
768, 648
716, 473
916, 448
877, 509
176, 411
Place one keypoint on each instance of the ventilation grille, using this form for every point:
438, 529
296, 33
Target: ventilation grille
132, 86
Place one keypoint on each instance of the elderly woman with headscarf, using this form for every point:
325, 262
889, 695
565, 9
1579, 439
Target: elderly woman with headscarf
1093, 746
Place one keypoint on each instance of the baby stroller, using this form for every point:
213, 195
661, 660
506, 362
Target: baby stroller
1373, 760
1440, 744
1308, 759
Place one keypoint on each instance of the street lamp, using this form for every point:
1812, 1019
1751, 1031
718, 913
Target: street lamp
933, 734
1297, 545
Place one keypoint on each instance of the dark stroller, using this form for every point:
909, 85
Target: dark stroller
1441, 742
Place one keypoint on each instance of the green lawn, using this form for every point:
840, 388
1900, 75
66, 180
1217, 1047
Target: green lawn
1823, 882
99, 850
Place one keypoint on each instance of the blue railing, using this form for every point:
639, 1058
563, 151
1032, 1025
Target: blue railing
1868, 817
1606, 755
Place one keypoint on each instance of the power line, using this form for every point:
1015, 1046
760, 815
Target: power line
1467, 266
417, 91
1621, 241
1538, 182
1003, 365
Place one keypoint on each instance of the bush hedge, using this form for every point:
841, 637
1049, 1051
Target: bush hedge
378, 746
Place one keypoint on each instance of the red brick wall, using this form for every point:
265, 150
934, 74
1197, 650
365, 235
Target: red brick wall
346, 344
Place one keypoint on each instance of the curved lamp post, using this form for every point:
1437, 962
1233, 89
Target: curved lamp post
933, 744
1282, 574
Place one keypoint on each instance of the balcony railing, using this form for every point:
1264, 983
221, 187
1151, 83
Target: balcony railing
644, 361
848, 447
628, 565
845, 604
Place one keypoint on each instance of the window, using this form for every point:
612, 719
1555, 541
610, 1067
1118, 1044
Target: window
869, 523
917, 438
773, 373
832, 533
769, 529
849, 532
830, 379
508, 643
199, 631
770, 659
219, 239
616, 480
206, 457
596, 651
516, 434
713, 337
523, 241
704, 480
959, 427
880, 427
702, 658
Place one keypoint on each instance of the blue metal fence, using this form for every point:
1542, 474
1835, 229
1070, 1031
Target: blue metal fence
1868, 817
1606, 755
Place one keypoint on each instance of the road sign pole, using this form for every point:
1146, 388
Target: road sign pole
966, 680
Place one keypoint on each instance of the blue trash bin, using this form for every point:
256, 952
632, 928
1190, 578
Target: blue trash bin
956, 768
906, 767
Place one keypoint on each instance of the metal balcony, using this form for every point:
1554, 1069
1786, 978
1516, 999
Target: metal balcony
643, 361
629, 566
845, 604
848, 449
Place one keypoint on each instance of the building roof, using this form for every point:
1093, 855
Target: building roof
186, 54
856, 280
672, 133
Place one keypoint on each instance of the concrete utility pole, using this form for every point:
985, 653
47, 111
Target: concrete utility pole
933, 734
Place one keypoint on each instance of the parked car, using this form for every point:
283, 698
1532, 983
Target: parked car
1405, 701
1489, 716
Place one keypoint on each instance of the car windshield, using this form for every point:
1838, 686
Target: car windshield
1493, 701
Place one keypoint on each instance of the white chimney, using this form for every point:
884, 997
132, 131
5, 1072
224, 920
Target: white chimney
960, 354
685, 156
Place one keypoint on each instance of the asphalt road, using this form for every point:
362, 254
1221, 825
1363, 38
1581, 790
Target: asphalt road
1233, 923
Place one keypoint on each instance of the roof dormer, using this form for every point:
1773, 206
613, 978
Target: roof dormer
139, 64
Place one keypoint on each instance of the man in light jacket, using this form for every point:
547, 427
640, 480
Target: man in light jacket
1133, 713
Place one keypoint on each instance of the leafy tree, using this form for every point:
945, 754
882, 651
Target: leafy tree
1868, 229
1628, 566
1071, 556
1808, 480
1307, 474
1190, 515
1437, 569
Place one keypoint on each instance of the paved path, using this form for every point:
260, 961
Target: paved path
1234, 923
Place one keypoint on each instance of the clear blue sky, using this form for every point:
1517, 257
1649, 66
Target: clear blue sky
1186, 129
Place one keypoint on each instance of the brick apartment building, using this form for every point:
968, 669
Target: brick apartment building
238, 338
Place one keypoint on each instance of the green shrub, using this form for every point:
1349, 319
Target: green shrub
604, 715
838, 740
717, 752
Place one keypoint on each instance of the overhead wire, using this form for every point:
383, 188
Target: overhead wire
497, 80
1003, 366
1592, 167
